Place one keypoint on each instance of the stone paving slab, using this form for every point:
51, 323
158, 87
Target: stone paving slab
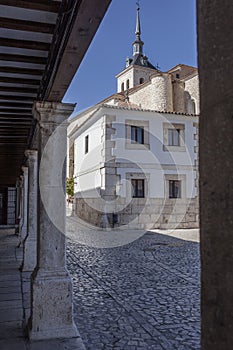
140, 295
11, 302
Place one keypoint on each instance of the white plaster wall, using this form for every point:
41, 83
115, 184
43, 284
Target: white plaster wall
155, 160
88, 185
129, 74
155, 154
156, 187
134, 73
86, 166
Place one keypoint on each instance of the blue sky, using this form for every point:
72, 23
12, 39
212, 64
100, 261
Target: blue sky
169, 34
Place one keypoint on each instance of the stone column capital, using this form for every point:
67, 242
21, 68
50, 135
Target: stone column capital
52, 112
31, 154
24, 170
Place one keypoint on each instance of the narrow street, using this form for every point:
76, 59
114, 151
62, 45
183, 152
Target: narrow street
140, 295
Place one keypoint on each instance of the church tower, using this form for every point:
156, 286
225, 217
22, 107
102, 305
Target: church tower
138, 68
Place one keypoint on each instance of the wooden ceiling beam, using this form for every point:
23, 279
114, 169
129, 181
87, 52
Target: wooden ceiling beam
18, 89
12, 110
18, 70
22, 58
16, 104
15, 117
42, 5
16, 98
28, 26
25, 44
23, 81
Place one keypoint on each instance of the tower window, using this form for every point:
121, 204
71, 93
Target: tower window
137, 134
86, 144
122, 87
127, 84
141, 80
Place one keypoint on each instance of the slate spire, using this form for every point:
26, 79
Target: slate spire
138, 43
138, 58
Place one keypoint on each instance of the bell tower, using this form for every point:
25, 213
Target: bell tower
138, 68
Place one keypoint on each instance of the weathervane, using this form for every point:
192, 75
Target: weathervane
138, 4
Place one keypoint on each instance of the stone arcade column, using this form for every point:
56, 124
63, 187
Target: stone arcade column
215, 51
18, 203
30, 244
24, 215
51, 305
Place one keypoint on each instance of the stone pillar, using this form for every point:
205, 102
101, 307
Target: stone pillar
51, 303
30, 244
18, 200
24, 216
215, 51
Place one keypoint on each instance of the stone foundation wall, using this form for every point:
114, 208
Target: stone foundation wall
140, 213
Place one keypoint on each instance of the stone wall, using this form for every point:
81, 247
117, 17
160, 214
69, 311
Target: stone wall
156, 95
178, 96
140, 213
192, 88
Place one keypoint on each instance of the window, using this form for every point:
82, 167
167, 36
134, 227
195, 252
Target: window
127, 84
141, 80
177, 76
86, 144
137, 134
122, 87
138, 188
173, 137
174, 189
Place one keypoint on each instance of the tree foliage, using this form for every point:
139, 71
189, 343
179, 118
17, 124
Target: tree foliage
70, 186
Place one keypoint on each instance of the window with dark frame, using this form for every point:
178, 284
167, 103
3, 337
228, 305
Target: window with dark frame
137, 134
174, 189
174, 137
138, 188
86, 144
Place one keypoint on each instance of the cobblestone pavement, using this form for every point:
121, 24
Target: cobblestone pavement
143, 295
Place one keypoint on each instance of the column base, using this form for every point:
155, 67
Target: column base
54, 333
29, 256
22, 235
52, 306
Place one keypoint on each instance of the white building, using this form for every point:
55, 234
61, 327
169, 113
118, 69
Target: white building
135, 153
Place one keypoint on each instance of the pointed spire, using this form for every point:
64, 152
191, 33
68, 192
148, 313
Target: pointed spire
138, 58
138, 26
138, 44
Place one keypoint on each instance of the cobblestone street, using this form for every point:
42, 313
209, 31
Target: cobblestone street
142, 295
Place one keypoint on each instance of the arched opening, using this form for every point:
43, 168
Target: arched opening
141, 80
122, 86
193, 106
127, 84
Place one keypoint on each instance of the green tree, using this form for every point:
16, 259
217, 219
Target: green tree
70, 186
